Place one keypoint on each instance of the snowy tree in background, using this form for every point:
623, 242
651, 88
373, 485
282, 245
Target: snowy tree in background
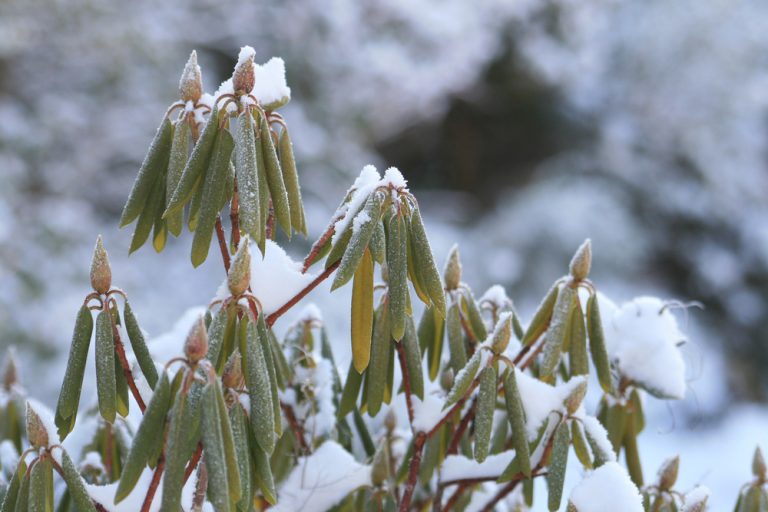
466, 409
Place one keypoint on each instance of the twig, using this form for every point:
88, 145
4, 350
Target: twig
500, 495
153, 484
453, 447
296, 298
413, 471
120, 351
298, 431
318, 246
200, 488
222, 244
193, 462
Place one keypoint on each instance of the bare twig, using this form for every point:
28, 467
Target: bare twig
296, 298
297, 429
120, 351
153, 484
222, 244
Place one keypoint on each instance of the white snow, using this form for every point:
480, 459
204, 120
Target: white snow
607, 489
364, 184
311, 313
595, 430
497, 296
105, 494
9, 457
319, 415
274, 280
696, 496
93, 460
540, 399
270, 86
359, 220
458, 467
642, 337
321, 480
428, 412
171, 344
246, 53
394, 178
46, 418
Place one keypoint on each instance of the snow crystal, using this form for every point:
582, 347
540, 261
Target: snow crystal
458, 467
642, 337
275, 280
270, 86
540, 399
695, 497
321, 480
606, 489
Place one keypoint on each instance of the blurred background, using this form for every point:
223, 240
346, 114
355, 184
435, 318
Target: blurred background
522, 126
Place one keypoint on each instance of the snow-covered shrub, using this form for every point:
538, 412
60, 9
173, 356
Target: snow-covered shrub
463, 410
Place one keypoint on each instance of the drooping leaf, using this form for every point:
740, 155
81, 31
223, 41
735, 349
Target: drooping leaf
105, 367
69, 398
380, 357
362, 312
486, 404
214, 191
193, 175
155, 163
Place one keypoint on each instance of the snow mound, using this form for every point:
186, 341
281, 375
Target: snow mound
606, 489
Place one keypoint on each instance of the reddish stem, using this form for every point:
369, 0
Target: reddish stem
222, 244
413, 471
193, 462
318, 246
120, 351
298, 431
153, 484
296, 298
453, 448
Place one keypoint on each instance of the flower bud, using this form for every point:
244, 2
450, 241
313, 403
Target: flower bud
101, 273
233, 371
446, 379
581, 261
390, 421
574, 399
501, 333
245, 76
452, 271
758, 465
668, 473
36, 431
10, 374
196, 345
191, 81
239, 276
380, 464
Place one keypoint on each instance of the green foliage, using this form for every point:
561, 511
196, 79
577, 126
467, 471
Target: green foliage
242, 413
